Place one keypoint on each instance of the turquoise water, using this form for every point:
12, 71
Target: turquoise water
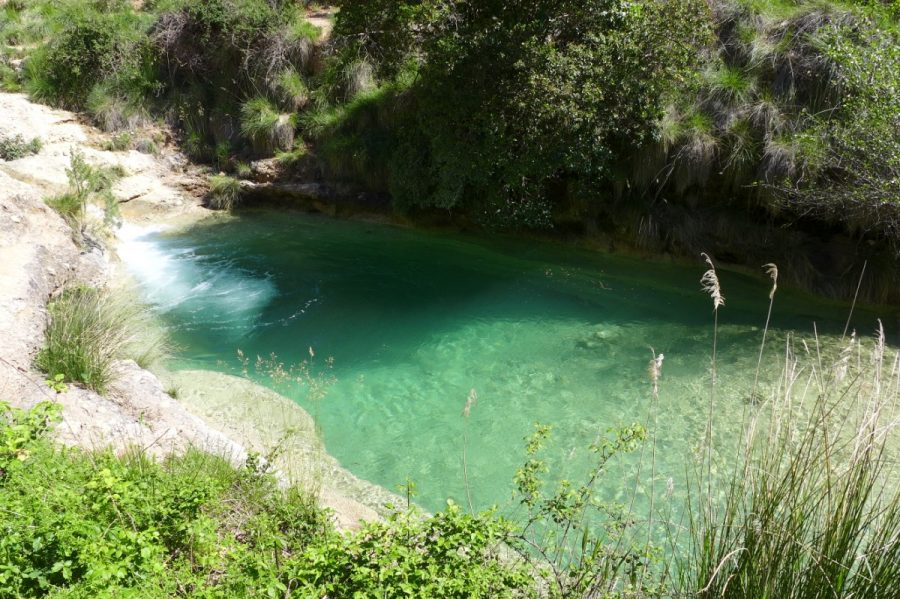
414, 320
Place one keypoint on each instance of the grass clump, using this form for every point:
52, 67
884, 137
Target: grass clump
293, 157
146, 145
224, 192
68, 205
121, 142
87, 330
13, 148
730, 85
265, 127
112, 111
292, 89
301, 29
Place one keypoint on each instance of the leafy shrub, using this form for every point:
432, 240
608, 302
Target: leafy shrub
13, 148
547, 114
448, 555
126, 525
95, 46
18, 430
196, 525
583, 547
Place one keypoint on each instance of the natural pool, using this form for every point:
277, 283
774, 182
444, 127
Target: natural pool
414, 320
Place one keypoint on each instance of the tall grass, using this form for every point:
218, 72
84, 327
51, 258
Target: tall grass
89, 329
811, 508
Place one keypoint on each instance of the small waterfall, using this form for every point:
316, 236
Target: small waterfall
206, 291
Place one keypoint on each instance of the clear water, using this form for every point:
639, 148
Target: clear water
414, 320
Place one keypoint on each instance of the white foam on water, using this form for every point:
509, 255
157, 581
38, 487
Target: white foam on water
214, 292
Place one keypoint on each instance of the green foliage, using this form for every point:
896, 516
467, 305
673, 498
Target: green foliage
195, 525
115, 526
112, 111
292, 90
860, 154
450, 554
224, 192
57, 383
300, 29
69, 206
293, 157
102, 43
120, 142
86, 183
266, 129
87, 330
525, 87
514, 114
730, 85
19, 429
13, 148
223, 60
582, 546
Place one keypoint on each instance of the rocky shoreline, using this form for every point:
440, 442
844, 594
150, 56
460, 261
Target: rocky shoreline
225, 415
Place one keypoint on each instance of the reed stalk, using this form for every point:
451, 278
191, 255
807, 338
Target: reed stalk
772, 271
710, 285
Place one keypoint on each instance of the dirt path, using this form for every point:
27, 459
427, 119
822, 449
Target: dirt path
38, 257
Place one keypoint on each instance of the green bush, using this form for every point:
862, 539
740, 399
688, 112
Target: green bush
111, 526
449, 555
95, 46
194, 525
13, 148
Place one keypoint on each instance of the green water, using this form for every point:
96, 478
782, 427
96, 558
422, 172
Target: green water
414, 320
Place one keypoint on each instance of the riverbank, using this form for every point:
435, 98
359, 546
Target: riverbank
224, 415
